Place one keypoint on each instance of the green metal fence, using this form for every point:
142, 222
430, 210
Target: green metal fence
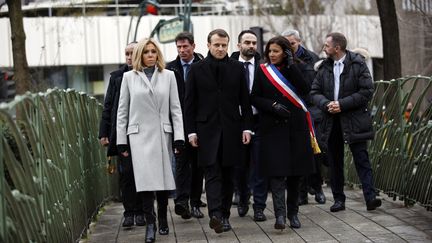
401, 153
53, 177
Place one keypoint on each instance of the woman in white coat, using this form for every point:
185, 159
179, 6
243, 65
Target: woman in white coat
149, 115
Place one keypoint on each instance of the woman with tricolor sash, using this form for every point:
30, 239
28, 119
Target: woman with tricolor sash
287, 134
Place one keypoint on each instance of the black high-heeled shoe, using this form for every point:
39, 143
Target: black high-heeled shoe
150, 235
163, 226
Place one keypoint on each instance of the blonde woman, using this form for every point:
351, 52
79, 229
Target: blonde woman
149, 115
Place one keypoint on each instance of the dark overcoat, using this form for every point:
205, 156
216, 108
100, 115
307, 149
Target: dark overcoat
355, 91
108, 123
285, 142
217, 109
177, 68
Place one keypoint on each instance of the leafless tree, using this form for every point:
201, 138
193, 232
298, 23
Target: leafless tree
390, 37
21, 69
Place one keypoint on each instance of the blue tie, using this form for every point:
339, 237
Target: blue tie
186, 70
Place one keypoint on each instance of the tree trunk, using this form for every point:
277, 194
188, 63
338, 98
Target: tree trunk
390, 37
21, 70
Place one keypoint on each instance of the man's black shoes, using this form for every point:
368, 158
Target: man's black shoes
259, 215
128, 221
337, 206
140, 220
320, 197
373, 204
182, 210
226, 225
196, 213
242, 209
280, 222
294, 222
216, 224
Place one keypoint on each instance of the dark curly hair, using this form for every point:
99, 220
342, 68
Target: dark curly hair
283, 43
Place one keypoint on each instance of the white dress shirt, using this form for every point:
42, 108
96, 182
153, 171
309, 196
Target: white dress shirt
338, 67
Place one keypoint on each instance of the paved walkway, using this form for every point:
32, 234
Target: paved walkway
392, 222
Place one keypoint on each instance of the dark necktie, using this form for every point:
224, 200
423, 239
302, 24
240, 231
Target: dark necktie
246, 66
186, 70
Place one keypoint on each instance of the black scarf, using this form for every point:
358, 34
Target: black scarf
217, 66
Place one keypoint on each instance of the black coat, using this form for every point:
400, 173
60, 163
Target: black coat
108, 123
285, 142
215, 92
177, 68
355, 91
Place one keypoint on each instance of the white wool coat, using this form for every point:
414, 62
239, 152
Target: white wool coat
149, 113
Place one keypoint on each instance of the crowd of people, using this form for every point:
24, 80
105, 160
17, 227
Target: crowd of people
244, 124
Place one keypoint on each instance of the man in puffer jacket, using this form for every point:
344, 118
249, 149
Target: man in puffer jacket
342, 89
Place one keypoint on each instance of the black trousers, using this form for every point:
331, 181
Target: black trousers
219, 189
336, 163
314, 180
132, 203
278, 186
188, 177
247, 176
148, 205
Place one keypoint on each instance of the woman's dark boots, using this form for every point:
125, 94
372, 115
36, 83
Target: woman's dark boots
163, 226
150, 235
162, 221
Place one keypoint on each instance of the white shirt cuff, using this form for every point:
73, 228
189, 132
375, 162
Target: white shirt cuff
191, 134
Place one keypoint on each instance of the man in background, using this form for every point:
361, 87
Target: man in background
132, 204
188, 176
247, 171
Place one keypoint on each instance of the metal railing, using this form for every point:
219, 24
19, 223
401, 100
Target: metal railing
401, 153
53, 171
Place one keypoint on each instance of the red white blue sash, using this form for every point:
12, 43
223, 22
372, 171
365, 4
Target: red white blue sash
289, 91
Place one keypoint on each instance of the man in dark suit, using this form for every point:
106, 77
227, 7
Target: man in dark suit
342, 89
188, 176
218, 120
313, 182
247, 54
107, 134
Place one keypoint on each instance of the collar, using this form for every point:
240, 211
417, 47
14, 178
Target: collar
340, 60
299, 51
252, 60
183, 62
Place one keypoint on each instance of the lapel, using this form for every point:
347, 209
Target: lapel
150, 86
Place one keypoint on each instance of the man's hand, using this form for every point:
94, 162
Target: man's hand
104, 141
246, 137
333, 107
193, 140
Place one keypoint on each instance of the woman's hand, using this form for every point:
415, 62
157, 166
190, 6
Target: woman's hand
179, 146
123, 150
281, 110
